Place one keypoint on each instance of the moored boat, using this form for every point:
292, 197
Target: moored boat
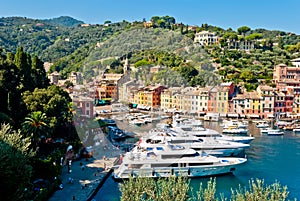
176, 161
239, 131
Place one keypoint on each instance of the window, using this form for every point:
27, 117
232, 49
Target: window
87, 104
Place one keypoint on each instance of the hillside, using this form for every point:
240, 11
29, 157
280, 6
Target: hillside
83, 48
64, 21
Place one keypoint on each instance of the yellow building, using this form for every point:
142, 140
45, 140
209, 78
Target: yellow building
149, 96
222, 100
171, 99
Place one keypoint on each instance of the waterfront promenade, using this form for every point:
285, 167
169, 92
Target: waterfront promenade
87, 175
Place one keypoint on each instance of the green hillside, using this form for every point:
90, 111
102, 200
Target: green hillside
72, 47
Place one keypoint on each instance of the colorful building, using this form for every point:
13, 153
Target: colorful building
268, 99
284, 75
149, 96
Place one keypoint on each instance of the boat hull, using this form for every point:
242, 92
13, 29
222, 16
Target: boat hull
194, 171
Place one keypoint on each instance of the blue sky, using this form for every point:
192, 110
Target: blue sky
268, 14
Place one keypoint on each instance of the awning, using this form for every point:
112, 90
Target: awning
253, 115
233, 115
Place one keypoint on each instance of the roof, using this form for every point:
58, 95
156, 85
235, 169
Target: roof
266, 88
296, 60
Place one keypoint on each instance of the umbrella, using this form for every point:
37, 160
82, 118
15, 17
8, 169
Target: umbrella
69, 148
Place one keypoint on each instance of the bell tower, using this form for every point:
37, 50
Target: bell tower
126, 67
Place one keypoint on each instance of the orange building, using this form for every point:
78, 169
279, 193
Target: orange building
106, 90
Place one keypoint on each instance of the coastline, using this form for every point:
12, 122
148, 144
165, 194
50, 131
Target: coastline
87, 176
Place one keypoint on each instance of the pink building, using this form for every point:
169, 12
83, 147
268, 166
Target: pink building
284, 75
84, 106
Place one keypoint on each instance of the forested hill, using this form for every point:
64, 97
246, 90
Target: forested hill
64, 21
72, 45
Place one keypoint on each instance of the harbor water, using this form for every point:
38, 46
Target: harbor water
270, 158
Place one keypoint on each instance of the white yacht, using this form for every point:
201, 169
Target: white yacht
196, 129
211, 145
236, 138
276, 132
272, 131
296, 130
173, 160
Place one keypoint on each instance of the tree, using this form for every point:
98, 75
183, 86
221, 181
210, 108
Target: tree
171, 188
52, 101
23, 62
188, 72
15, 169
197, 81
36, 124
246, 75
243, 30
39, 77
254, 36
177, 188
9, 81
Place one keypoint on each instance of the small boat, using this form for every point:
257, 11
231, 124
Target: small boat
275, 132
296, 130
271, 131
212, 117
239, 131
262, 124
234, 124
137, 122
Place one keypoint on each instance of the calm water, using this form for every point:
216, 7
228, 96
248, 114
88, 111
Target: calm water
272, 158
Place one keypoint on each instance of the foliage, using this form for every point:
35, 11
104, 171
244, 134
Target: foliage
64, 21
259, 191
177, 188
15, 169
171, 188
53, 102
243, 30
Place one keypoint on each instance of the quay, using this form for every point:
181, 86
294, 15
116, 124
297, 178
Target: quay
87, 175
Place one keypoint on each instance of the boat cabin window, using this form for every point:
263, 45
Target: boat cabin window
135, 165
153, 141
164, 165
159, 148
199, 164
186, 129
179, 140
176, 147
170, 156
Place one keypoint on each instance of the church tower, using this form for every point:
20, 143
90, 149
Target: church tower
126, 67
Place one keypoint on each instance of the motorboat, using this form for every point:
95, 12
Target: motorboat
262, 124
271, 131
275, 132
173, 160
296, 130
199, 131
237, 131
234, 124
235, 138
211, 145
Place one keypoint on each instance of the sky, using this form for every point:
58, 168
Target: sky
280, 15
